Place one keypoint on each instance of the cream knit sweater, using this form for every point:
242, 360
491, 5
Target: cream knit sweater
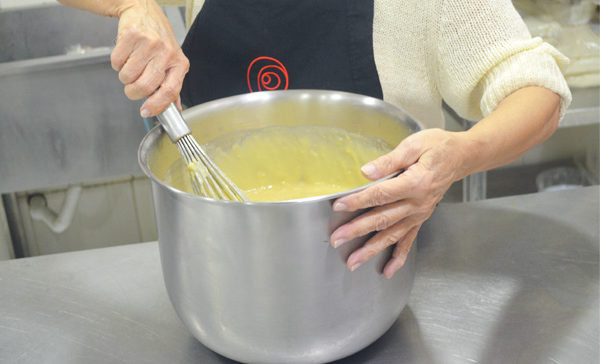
470, 54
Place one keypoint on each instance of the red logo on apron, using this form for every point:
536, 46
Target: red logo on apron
271, 75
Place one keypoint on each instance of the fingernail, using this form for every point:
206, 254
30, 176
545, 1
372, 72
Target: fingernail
338, 242
368, 169
145, 113
353, 268
390, 269
388, 272
339, 206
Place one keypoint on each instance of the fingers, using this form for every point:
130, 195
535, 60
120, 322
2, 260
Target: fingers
166, 93
380, 241
158, 80
376, 219
146, 83
429, 162
132, 40
382, 193
149, 60
400, 253
404, 155
147, 54
120, 54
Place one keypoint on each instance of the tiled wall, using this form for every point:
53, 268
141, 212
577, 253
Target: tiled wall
107, 214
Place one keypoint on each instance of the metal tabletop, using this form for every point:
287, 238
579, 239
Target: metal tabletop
508, 280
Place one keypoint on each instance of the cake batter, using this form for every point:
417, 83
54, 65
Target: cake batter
283, 163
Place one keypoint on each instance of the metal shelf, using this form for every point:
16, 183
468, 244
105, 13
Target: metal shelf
585, 108
10, 5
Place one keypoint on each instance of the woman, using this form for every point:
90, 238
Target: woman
477, 56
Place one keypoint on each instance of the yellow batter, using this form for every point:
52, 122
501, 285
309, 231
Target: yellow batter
283, 163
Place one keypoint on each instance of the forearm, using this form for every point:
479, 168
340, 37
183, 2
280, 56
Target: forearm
431, 160
112, 8
522, 120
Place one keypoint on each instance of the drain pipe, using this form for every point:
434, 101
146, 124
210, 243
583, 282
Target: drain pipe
57, 222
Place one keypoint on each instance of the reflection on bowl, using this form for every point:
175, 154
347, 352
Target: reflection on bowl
259, 281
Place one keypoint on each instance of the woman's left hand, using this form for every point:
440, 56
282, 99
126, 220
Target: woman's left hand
431, 161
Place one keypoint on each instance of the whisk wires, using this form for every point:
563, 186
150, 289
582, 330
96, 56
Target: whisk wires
207, 179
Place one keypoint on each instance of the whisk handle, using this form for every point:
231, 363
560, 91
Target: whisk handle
173, 123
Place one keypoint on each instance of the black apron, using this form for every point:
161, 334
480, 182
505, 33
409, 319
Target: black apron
241, 46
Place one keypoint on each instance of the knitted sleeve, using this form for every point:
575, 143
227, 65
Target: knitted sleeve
484, 52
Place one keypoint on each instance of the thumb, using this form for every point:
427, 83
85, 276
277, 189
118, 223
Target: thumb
403, 156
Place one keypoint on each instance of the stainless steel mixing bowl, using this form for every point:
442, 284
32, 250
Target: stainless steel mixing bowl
259, 282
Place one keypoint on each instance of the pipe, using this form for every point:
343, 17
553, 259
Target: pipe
57, 222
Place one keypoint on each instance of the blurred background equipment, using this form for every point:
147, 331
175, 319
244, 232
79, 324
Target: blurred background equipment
67, 126
572, 27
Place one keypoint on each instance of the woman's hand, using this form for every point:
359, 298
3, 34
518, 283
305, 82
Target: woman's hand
431, 160
147, 56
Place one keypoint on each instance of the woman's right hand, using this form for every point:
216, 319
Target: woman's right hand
148, 58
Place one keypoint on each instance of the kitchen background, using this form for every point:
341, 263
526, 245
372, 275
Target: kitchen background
69, 177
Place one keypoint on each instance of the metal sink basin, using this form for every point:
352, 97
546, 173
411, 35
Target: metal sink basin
64, 116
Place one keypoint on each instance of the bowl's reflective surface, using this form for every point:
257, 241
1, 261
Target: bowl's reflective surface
259, 282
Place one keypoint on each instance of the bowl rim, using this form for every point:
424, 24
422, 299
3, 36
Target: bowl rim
262, 96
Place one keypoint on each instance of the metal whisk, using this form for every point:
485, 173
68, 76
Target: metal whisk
207, 179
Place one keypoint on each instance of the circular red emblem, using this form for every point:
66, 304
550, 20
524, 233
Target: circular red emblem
269, 73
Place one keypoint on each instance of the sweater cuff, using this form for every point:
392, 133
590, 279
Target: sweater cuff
540, 66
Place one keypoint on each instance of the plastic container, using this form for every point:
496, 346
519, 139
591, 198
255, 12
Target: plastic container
560, 178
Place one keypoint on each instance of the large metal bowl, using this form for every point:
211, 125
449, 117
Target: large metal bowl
259, 282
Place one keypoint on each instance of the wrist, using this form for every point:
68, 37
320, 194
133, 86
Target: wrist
111, 8
125, 5
473, 153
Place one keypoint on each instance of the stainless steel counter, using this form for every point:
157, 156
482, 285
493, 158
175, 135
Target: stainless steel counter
509, 280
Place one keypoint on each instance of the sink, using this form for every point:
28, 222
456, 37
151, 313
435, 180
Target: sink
64, 116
